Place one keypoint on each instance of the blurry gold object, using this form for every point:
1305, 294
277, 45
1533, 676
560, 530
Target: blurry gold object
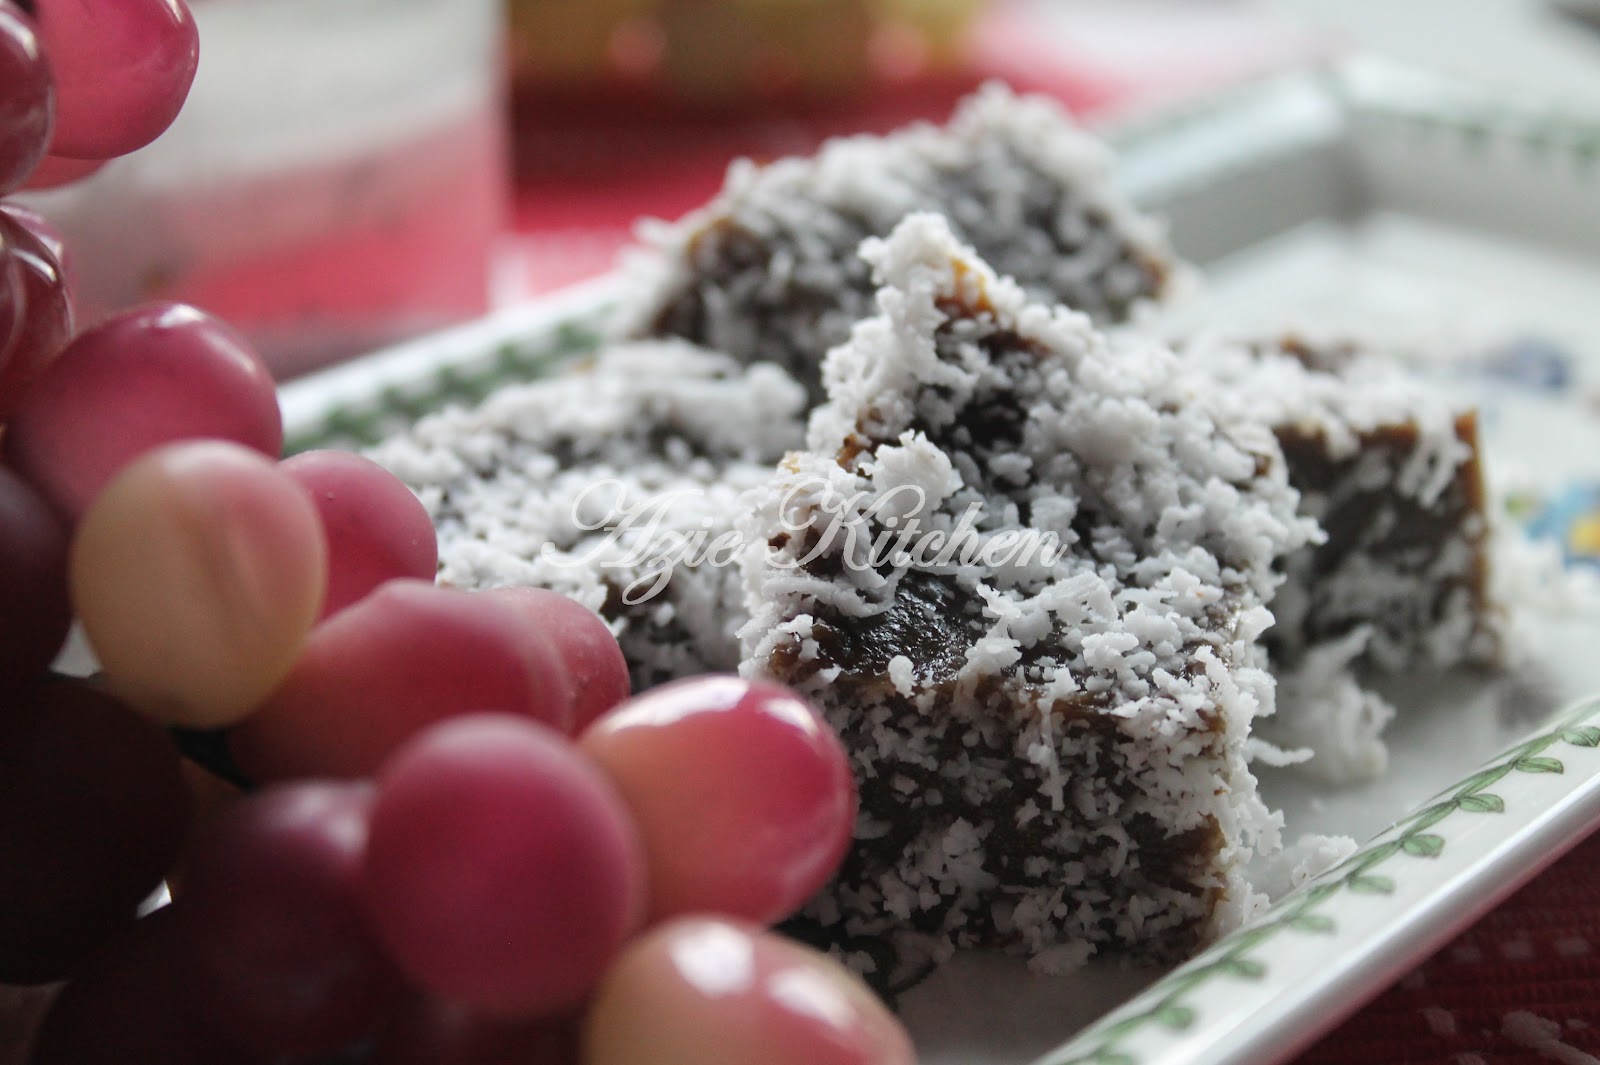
940, 24
568, 42
731, 50
715, 48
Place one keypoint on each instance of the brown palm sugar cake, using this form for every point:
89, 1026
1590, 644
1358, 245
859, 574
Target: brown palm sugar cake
610, 484
1389, 468
1051, 752
768, 270
1050, 744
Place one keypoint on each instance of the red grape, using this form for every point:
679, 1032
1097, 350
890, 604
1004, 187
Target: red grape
122, 71
697, 990
593, 657
13, 299
152, 375
92, 812
743, 795
430, 1032
277, 949
21, 1010
502, 871
27, 99
131, 1006
375, 674
54, 171
197, 575
34, 615
47, 312
44, 233
208, 794
376, 528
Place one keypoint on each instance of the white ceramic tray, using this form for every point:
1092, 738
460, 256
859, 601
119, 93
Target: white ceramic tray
1464, 226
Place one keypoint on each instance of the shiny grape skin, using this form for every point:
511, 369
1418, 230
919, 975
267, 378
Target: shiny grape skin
54, 171
744, 796
405, 657
13, 299
197, 575
44, 232
502, 871
93, 811
27, 99
592, 655
276, 945
152, 375
697, 990
122, 71
47, 318
377, 529
34, 612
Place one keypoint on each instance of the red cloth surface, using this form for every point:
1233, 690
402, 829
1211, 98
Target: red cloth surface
1523, 985
1535, 957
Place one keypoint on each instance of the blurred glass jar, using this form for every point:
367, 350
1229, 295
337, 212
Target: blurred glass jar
336, 180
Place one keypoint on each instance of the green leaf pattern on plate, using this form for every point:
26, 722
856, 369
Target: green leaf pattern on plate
1170, 998
395, 408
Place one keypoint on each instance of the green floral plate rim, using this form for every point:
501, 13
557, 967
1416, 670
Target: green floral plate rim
1406, 891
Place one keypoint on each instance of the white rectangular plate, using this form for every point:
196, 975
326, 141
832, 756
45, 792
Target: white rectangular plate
1355, 197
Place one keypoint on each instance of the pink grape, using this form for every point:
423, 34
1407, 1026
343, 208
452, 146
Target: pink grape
197, 575
93, 810
278, 953
46, 322
131, 1006
54, 171
34, 614
593, 657
743, 795
376, 528
427, 1031
502, 870
149, 376
122, 71
699, 990
27, 99
375, 674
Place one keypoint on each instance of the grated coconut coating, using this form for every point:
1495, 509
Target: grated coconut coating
768, 270
1051, 753
1388, 466
510, 486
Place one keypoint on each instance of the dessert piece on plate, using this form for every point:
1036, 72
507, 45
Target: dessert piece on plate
768, 269
1025, 573
613, 484
1389, 467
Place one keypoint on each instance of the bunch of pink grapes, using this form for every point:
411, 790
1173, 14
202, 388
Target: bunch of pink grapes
420, 826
